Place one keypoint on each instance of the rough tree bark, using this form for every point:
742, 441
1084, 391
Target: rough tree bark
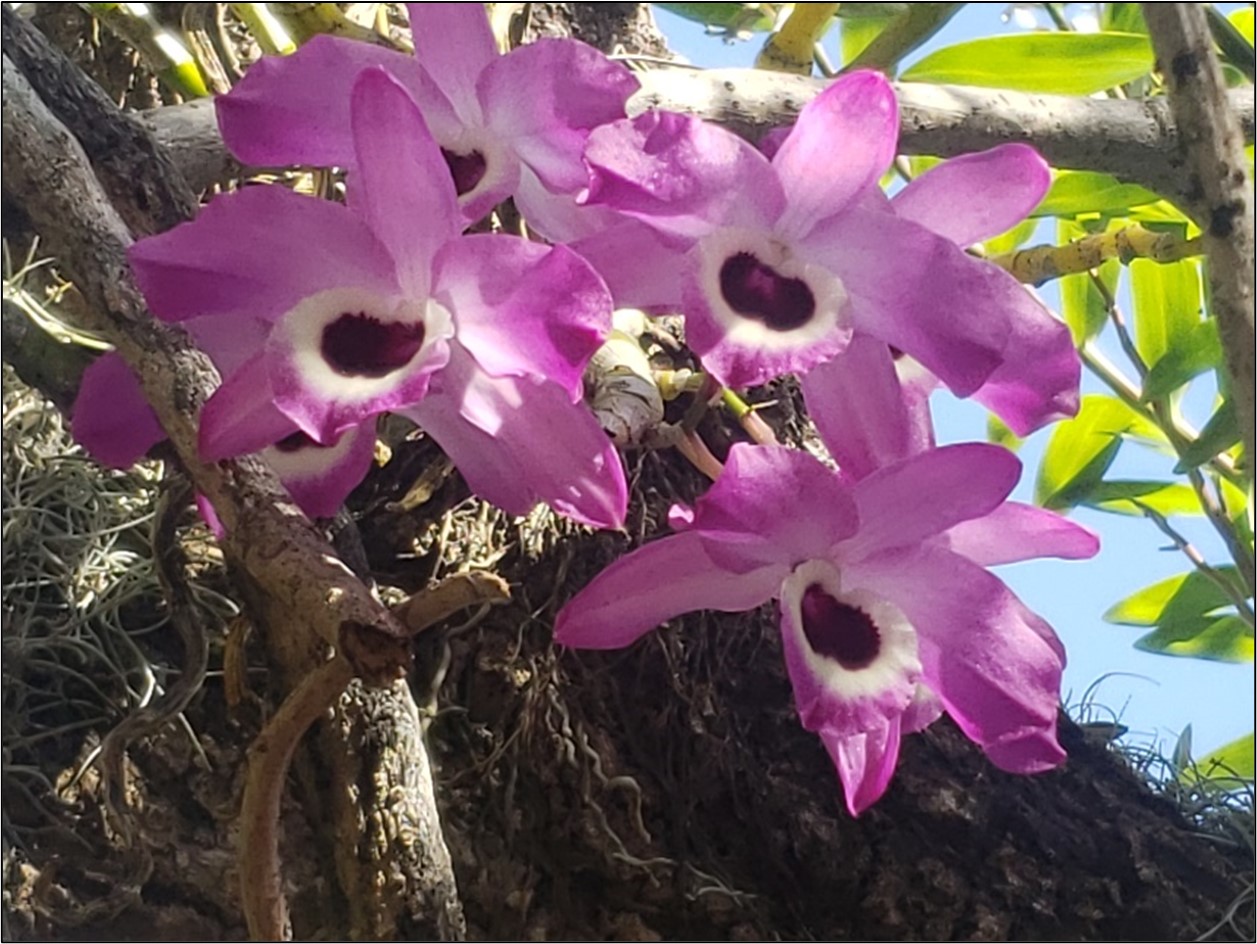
669, 791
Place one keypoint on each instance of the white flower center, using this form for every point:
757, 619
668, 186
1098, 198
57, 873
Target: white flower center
857, 642
354, 343
761, 293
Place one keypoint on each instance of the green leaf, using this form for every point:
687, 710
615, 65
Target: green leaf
1171, 602
1082, 449
1131, 496
1229, 762
998, 433
1167, 305
1182, 757
1242, 20
1063, 63
1080, 191
1199, 351
1123, 18
1011, 239
1220, 434
732, 18
856, 34
1225, 639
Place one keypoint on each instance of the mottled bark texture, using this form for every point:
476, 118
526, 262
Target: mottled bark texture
1218, 192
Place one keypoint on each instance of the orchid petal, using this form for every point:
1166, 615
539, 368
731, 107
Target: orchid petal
524, 308
111, 417
546, 97
344, 355
641, 268
995, 666
926, 494
454, 44
842, 143
1037, 382
653, 584
520, 440
865, 418
865, 761
241, 417
402, 183
1016, 532
976, 196
681, 175
320, 478
295, 109
751, 515
258, 252
908, 286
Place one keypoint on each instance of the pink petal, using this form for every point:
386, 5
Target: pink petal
920, 293
996, 666
524, 308
295, 109
1016, 532
773, 505
241, 417
928, 493
866, 419
841, 144
681, 175
545, 98
257, 252
1037, 381
653, 584
111, 418
520, 440
454, 44
865, 761
320, 478
974, 197
402, 185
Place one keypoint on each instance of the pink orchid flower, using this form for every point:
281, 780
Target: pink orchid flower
888, 614
787, 258
512, 125
382, 305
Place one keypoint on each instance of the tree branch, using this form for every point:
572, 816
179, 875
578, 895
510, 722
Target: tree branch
1136, 141
313, 598
1218, 194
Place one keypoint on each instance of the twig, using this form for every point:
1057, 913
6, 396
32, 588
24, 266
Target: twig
261, 884
1217, 192
1192, 554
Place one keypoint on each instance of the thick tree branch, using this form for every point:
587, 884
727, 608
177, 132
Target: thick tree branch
313, 600
1218, 194
1136, 141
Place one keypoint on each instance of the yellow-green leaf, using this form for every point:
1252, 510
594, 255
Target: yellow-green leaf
1078, 191
1131, 497
1062, 63
1082, 449
1167, 305
1173, 601
1225, 639
1232, 761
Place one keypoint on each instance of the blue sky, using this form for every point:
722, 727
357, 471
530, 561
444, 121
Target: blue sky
1155, 696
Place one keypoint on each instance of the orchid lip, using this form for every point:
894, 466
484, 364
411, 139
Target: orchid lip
299, 456
481, 167
761, 293
355, 344
467, 169
858, 642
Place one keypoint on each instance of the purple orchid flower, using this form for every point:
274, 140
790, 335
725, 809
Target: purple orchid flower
888, 614
382, 305
117, 426
789, 257
512, 125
